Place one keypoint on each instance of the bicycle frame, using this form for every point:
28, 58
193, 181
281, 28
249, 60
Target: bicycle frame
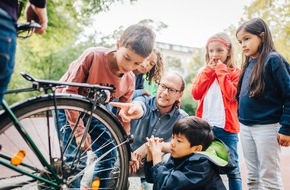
46, 85
29, 141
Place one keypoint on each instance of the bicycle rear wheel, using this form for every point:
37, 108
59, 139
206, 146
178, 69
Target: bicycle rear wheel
36, 117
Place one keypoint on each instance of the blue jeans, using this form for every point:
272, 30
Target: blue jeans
8, 36
96, 128
231, 140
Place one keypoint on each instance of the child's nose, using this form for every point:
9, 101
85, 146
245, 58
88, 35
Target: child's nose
132, 67
172, 143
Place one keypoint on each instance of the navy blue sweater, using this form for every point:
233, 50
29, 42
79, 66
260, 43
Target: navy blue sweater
192, 172
273, 105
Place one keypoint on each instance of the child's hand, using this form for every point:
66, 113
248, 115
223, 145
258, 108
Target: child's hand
155, 146
128, 111
134, 163
86, 144
219, 62
283, 140
212, 63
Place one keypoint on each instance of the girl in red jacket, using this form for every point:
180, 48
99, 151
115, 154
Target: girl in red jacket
215, 88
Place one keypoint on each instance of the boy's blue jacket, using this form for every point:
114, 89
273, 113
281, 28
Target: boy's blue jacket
194, 172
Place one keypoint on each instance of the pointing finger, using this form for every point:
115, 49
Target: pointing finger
119, 104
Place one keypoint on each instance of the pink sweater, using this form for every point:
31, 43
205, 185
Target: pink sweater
92, 68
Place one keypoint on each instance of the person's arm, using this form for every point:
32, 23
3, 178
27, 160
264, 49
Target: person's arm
166, 147
36, 11
141, 92
228, 80
281, 71
202, 82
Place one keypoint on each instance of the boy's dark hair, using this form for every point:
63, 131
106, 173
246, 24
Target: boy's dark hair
139, 39
196, 130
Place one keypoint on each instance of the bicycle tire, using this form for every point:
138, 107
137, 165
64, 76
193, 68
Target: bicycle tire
30, 114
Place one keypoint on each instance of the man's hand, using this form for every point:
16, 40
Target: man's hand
134, 163
141, 152
128, 111
38, 15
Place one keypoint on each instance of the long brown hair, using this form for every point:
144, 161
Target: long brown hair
157, 70
256, 26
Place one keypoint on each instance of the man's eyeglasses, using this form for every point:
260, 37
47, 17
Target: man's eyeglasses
162, 88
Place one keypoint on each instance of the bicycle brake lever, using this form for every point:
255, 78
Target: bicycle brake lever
27, 77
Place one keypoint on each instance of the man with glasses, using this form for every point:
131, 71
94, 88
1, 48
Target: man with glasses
153, 116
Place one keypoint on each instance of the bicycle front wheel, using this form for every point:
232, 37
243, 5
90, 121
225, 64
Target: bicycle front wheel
49, 168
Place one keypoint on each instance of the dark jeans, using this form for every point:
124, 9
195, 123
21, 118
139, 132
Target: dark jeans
7, 50
96, 128
231, 140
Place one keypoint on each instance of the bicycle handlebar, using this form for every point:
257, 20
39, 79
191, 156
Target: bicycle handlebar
26, 27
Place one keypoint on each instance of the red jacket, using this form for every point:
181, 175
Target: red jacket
228, 81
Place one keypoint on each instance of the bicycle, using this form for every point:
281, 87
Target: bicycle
32, 154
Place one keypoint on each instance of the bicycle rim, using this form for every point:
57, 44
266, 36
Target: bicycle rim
36, 117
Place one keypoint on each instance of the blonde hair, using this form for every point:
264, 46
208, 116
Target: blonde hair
226, 40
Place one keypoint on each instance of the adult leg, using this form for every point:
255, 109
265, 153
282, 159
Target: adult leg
7, 50
231, 140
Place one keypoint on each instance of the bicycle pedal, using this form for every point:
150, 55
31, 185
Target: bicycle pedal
18, 157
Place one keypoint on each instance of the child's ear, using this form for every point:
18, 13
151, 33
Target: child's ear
118, 44
197, 148
262, 35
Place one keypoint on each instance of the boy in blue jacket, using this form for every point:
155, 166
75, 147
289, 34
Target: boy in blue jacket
196, 158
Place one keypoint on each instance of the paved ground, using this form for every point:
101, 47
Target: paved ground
285, 163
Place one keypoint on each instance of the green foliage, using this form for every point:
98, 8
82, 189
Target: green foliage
187, 103
48, 56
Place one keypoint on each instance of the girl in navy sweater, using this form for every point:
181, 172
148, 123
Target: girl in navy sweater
264, 105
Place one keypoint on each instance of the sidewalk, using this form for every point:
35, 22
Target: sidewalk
285, 166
